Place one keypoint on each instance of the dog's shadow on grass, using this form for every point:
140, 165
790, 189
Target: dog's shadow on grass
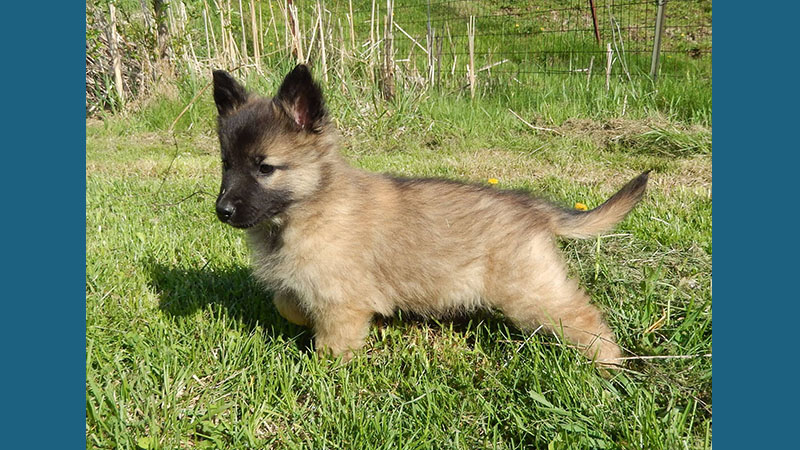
183, 292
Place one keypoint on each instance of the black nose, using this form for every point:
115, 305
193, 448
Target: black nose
225, 210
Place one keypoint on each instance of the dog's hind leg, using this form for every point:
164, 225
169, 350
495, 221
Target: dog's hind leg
288, 307
564, 310
543, 295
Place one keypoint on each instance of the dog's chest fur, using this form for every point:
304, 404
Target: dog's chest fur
283, 260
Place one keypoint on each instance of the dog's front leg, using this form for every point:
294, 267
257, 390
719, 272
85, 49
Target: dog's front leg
340, 329
289, 307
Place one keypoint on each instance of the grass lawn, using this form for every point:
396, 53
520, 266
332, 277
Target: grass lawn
184, 350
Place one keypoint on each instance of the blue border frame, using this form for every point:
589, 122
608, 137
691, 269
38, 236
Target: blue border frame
44, 149
755, 116
44, 186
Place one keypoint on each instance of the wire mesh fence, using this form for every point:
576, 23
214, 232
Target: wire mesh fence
512, 40
414, 43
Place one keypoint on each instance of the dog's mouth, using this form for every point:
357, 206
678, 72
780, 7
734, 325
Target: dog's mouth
269, 215
243, 226
249, 224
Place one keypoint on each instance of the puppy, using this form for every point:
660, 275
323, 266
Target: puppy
338, 245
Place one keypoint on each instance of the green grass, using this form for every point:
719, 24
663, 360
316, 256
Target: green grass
184, 350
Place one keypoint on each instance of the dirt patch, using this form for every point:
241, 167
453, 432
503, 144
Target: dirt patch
647, 137
608, 132
604, 132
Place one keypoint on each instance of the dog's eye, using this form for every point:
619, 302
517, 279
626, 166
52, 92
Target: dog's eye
266, 169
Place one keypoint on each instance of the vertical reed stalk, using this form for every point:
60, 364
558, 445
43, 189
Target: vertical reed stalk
244, 35
222, 34
388, 59
275, 27
261, 32
288, 26
341, 52
609, 62
208, 41
352, 19
213, 35
322, 42
255, 33
429, 44
471, 38
296, 33
314, 29
231, 40
372, 28
116, 59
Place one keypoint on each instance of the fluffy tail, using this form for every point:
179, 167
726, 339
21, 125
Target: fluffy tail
584, 224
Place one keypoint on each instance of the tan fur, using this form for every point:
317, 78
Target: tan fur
355, 244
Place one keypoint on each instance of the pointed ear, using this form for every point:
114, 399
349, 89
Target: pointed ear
228, 93
301, 98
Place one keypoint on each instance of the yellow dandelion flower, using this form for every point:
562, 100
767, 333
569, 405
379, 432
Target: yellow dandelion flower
581, 206
517, 25
493, 181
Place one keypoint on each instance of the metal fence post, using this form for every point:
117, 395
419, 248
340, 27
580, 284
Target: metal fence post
657, 41
594, 21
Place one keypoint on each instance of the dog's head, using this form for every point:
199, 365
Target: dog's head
273, 149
